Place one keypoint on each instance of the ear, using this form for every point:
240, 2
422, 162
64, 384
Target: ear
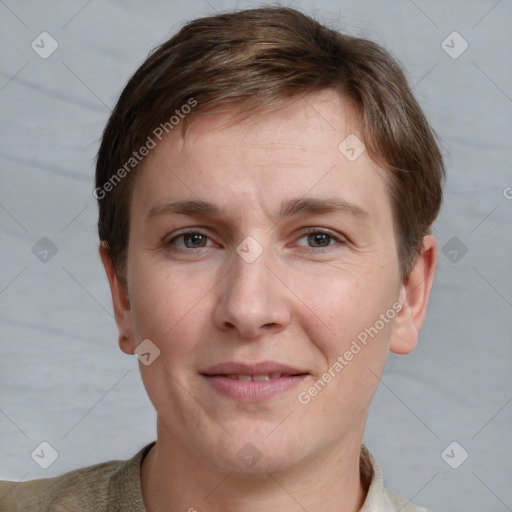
414, 295
120, 302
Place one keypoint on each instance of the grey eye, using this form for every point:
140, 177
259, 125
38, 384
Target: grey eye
319, 239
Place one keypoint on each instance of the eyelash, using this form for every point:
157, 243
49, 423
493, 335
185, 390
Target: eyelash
308, 231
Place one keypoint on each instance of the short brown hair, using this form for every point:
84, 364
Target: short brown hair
259, 59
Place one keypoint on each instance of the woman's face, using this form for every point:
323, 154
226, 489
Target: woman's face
252, 298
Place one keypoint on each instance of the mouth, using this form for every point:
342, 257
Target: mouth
253, 382
261, 377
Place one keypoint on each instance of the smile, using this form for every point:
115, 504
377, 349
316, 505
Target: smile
253, 388
266, 376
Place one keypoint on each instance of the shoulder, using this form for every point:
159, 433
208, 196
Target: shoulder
402, 504
109, 486
378, 497
81, 489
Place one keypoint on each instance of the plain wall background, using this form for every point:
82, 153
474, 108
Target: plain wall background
64, 380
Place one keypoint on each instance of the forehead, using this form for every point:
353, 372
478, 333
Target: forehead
300, 149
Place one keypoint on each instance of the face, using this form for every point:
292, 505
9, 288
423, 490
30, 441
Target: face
262, 264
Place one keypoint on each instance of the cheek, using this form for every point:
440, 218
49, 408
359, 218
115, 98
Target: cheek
341, 306
167, 308
342, 318
172, 316
353, 337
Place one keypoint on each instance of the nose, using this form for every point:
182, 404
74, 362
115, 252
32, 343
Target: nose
253, 300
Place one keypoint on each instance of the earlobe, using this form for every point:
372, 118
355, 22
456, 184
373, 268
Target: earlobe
414, 296
120, 302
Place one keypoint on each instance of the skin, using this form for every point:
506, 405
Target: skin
301, 302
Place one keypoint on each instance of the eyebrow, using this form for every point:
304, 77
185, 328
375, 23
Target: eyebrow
291, 208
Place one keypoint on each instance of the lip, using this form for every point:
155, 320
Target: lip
258, 368
253, 391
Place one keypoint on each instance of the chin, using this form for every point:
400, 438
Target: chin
260, 467
254, 455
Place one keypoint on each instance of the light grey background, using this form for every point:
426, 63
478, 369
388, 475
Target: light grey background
64, 380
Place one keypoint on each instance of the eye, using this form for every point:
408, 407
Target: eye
191, 240
317, 238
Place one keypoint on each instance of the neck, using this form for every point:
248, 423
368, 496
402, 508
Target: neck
175, 480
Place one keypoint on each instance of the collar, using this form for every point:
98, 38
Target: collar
125, 493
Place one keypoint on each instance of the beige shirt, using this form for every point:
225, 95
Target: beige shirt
115, 487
